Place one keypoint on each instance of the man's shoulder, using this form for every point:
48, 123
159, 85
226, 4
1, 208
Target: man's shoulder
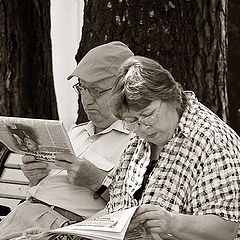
80, 125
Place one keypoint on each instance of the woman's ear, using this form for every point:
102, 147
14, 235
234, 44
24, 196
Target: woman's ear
175, 104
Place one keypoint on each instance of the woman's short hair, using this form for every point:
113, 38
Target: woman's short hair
140, 81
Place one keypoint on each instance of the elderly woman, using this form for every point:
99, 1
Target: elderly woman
182, 165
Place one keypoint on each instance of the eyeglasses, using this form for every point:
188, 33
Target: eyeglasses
93, 92
148, 121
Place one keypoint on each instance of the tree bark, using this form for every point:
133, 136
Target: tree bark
233, 75
187, 37
26, 79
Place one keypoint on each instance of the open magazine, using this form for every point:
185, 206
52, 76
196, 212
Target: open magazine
112, 226
37, 137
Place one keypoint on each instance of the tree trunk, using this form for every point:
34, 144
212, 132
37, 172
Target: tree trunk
26, 78
233, 65
187, 37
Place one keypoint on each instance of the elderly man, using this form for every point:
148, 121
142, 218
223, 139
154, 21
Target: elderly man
60, 197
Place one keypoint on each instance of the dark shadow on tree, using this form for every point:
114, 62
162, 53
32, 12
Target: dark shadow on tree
186, 37
26, 78
233, 64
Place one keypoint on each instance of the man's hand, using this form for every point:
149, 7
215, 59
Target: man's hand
34, 170
30, 233
81, 172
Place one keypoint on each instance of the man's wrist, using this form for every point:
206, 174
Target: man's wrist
100, 191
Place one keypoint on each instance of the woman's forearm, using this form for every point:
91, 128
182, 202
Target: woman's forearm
206, 227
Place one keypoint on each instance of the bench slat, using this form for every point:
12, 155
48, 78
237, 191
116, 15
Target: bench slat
12, 203
13, 161
14, 191
14, 176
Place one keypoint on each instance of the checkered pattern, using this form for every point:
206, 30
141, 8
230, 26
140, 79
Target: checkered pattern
198, 171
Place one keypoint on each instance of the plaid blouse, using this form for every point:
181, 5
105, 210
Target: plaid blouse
197, 173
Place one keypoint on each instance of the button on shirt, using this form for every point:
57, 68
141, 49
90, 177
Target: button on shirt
103, 150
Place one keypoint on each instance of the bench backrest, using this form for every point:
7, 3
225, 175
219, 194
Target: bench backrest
13, 183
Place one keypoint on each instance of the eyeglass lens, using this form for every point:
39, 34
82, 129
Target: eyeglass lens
81, 90
150, 120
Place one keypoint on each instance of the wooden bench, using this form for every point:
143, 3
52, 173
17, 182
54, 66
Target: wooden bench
13, 183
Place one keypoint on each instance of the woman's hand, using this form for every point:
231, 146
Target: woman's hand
153, 218
157, 220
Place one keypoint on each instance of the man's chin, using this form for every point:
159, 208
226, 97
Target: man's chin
94, 116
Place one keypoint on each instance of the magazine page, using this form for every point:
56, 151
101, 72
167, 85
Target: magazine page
107, 227
37, 137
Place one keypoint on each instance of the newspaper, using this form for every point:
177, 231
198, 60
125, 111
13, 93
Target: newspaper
112, 226
40, 138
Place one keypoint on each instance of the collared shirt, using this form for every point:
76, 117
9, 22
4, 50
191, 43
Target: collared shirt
197, 173
103, 149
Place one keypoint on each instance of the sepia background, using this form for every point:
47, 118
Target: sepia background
42, 41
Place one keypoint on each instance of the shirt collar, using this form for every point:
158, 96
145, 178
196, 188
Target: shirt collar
185, 122
117, 125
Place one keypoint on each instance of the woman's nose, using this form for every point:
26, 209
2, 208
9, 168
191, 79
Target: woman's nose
144, 128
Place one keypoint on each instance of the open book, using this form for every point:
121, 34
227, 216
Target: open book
37, 137
112, 226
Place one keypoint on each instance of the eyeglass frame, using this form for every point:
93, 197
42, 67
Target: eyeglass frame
80, 90
140, 121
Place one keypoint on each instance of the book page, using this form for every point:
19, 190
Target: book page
40, 138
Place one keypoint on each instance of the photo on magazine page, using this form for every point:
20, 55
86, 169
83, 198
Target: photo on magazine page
40, 138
